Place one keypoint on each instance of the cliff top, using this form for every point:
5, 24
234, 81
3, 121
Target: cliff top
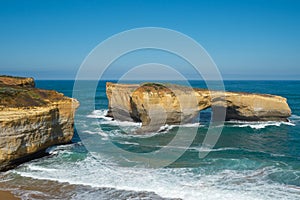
16, 92
168, 87
16, 81
14, 96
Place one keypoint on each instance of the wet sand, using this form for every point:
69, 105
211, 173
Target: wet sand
29, 188
43, 189
7, 195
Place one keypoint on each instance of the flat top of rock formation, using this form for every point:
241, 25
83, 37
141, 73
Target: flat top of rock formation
15, 96
16, 81
16, 92
12, 77
168, 87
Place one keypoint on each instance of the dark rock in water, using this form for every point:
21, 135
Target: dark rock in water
157, 104
31, 120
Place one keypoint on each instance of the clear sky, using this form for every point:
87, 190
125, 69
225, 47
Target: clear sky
248, 39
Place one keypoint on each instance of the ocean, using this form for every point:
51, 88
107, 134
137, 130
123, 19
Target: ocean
251, 160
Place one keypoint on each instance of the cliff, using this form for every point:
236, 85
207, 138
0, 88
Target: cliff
156, 104
31, 120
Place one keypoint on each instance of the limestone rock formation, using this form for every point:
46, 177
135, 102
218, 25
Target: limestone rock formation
31, 120
120, 106
254, 107
156, 104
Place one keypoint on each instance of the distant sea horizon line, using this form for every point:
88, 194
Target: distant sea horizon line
41, 79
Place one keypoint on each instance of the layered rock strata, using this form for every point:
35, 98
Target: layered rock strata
31, 120
157, 104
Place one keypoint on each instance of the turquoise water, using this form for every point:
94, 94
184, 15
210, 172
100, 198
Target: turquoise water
250, 160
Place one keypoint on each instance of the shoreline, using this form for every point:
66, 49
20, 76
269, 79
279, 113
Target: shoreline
7, 195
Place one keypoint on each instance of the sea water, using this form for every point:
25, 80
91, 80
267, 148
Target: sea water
251, 160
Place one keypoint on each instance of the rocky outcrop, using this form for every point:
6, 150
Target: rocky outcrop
157, 104
120, 101
253, 107
31, 120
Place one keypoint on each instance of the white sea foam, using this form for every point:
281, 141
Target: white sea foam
202, 149
167, 127
90, 132
258, 125
121, 123
128, 143
205, 149
38, 168
189, 125
55, 149
295, 118
193, 125
99, 132
99, 114
173, 183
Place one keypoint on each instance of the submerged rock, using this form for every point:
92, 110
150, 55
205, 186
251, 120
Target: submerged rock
157, 104
31, 120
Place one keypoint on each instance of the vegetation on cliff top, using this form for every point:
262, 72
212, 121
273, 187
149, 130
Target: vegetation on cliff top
16, 81
18, 92
14, 96
14, 77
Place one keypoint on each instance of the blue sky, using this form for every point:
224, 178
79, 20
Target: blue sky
249, 39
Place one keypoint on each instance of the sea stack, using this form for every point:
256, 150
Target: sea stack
31, 120
156, 104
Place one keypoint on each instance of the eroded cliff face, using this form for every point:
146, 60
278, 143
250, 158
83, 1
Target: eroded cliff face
254, 107
156, 104
119, 105
32, 120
